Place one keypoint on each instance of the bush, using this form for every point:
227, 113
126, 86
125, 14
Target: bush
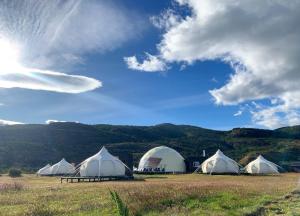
14, 173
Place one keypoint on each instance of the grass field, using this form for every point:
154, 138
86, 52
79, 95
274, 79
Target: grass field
191, 194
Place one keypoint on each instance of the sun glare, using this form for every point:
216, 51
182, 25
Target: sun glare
9, 55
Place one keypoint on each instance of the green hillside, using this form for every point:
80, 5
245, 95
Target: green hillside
32, 146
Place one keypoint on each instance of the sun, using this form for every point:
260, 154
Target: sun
9, 57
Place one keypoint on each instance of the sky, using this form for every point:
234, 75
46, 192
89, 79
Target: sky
210, 63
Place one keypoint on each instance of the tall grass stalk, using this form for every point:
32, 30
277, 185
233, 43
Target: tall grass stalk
122, 209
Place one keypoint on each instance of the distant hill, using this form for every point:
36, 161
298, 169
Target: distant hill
32, 146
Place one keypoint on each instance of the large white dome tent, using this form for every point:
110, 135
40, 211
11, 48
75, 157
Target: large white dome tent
46, 170
261, 166
102, 164
162, 159
219, 163
62, 168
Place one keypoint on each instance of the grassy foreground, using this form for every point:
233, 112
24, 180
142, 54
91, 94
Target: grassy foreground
191, 194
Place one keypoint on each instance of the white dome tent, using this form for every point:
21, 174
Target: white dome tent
219, 163
102, 164
62, 168
162, 159
261, 166
46, 170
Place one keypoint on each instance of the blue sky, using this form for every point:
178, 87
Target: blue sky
175, 89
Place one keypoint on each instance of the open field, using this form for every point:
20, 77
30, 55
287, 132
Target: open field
191, 194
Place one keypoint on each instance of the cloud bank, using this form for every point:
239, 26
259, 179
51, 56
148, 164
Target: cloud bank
50, 121
57, 34
7, 122
259, 39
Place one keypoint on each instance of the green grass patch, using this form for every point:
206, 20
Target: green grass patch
171, 195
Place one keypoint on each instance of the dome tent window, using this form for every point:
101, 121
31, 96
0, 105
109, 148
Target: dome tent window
196, 164
162, 159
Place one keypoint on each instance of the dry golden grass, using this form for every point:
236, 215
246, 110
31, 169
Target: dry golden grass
191, 194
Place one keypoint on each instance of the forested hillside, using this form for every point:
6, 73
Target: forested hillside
32, 146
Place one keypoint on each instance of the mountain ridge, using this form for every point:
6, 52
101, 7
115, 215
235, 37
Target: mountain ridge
30, 146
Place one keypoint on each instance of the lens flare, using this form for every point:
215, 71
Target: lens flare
9, 55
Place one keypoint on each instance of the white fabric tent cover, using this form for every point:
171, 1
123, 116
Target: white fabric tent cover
163, 157
46, 170
62, 168
261, 166
219, 163
102, 164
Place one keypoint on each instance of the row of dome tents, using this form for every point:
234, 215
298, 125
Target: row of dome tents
160, 159
100, 164
167, 160
61, 168
220, 163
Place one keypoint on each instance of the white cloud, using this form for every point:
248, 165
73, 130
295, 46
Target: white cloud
214, 80
150, 64
277, 114
166, 20
50, 30
14, 75
50, 121
238, 113
7, 122
57, 34
259, 39
48, 80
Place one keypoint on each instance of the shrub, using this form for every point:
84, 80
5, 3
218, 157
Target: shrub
14, 173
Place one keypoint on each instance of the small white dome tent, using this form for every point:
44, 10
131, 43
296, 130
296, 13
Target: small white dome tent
62, 168
162, 158
46, 170
219, 163
261, 166
102, 164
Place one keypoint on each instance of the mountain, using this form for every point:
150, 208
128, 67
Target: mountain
34, 145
